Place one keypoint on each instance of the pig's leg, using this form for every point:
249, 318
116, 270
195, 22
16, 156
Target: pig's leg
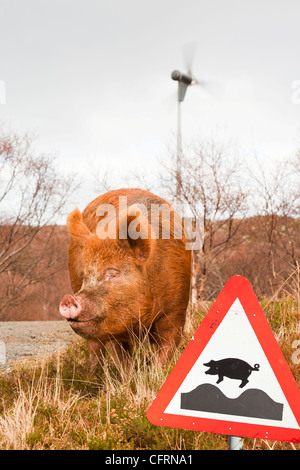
243, 383
220, 379
120, 354
166, 334
97, 352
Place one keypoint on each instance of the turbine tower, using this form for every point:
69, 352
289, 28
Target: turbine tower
184, 80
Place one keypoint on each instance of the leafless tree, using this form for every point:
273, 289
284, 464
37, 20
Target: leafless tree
276, 197
105, 179
33, 193
211, 184
250, 218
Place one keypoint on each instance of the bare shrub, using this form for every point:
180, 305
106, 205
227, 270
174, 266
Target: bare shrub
210, 183
33, 193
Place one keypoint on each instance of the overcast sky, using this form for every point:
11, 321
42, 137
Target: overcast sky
92, 77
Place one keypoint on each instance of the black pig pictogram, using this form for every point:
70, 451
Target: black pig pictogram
232, 368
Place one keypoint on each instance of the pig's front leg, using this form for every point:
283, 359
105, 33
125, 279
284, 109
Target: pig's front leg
96, 352
120, 353
166, 334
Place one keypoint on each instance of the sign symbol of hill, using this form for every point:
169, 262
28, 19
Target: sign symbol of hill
252, 403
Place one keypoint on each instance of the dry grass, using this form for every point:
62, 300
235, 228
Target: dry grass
58, 404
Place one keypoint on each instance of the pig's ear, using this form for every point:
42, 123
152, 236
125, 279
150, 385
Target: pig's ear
77, 228
135, 230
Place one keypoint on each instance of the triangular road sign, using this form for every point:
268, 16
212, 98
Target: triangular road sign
232, 377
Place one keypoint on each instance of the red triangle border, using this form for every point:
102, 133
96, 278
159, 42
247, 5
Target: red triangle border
236, 287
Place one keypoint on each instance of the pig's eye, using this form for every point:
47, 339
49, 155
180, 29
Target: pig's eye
111, 274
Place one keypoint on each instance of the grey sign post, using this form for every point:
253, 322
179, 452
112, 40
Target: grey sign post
236, 443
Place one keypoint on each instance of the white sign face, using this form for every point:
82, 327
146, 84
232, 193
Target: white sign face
232, 380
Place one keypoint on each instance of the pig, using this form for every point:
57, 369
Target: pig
232, 368
126, 287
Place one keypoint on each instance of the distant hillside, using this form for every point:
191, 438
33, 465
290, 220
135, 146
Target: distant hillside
49, 281
265, 251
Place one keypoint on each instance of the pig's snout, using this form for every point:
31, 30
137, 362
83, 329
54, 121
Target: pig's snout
69, 307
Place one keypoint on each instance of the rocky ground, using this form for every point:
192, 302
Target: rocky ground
31, 339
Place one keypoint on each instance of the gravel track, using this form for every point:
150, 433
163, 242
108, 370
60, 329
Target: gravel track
32, 339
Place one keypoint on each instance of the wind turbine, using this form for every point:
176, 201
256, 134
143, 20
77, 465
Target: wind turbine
184, 81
